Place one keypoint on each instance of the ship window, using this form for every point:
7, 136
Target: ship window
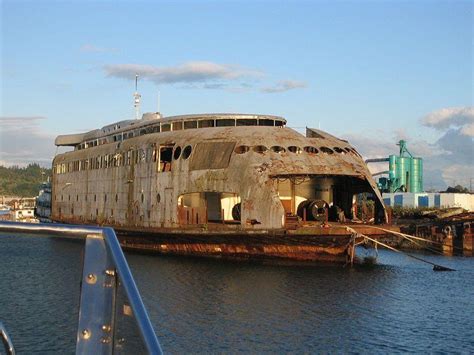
266, 122
116, 197
327, 150
279, 123
339, 150
177, 153
166, 155
142, 131
166, 127
141, 155
311, 150
190, 124
225, 123
156, 129
294, 149
241, 149
278, 149
158, 198
143, 198
187, 152
348, 150
205, 123
177, 126
246, 122
260, 149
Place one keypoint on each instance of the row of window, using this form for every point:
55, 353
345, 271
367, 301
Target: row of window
163, 154
158, 198
180, 125
241, 149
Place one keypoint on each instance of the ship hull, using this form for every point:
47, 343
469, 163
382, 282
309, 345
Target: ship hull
268, 245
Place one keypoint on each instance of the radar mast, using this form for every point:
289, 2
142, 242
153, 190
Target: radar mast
137, 97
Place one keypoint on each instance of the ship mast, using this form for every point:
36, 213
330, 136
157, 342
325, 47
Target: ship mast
136, 97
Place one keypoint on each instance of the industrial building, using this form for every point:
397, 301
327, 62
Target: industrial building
402, 184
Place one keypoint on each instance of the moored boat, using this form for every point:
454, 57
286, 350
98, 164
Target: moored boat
233, 185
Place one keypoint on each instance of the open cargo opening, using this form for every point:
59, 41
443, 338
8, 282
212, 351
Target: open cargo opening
208, 207
324, 197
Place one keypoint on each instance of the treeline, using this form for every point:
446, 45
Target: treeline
23, 182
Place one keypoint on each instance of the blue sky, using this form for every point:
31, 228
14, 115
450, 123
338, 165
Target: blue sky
372, 72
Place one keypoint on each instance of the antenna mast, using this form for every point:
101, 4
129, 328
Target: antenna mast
136, 97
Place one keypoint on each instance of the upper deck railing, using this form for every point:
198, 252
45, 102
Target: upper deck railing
110, 303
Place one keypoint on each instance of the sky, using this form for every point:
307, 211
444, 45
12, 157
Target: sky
372, 72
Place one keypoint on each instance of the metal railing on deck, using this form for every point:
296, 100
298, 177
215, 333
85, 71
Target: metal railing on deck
110, 303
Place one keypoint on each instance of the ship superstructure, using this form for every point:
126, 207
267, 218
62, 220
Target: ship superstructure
182, 179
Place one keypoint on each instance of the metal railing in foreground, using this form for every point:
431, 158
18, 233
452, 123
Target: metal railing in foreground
110, 303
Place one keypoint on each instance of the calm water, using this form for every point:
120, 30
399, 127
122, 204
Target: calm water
199, 305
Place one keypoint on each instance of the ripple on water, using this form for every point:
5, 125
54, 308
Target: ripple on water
200, 305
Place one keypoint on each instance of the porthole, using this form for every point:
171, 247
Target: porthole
187, 152
260, 149
294, 149
339, 150
158, 198
311, 150
327, 150
177, 153
277, 149
241, 149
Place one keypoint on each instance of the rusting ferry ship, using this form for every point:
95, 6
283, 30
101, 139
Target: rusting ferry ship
226, 185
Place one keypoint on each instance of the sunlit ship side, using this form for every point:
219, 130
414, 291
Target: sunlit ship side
232, 185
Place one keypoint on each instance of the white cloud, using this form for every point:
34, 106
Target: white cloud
90, 48
22, 141
451, 117
284, 85
209, 74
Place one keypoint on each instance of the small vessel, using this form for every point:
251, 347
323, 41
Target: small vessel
223, 185
43, 203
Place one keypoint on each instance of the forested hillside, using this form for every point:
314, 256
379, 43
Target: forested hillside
24, 182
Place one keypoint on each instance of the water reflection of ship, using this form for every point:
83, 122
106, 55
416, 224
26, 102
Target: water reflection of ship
43, 203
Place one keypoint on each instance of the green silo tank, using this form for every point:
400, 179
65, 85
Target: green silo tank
416, 175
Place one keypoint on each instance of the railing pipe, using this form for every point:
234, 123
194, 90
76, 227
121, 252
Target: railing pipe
146, 329
143, 321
